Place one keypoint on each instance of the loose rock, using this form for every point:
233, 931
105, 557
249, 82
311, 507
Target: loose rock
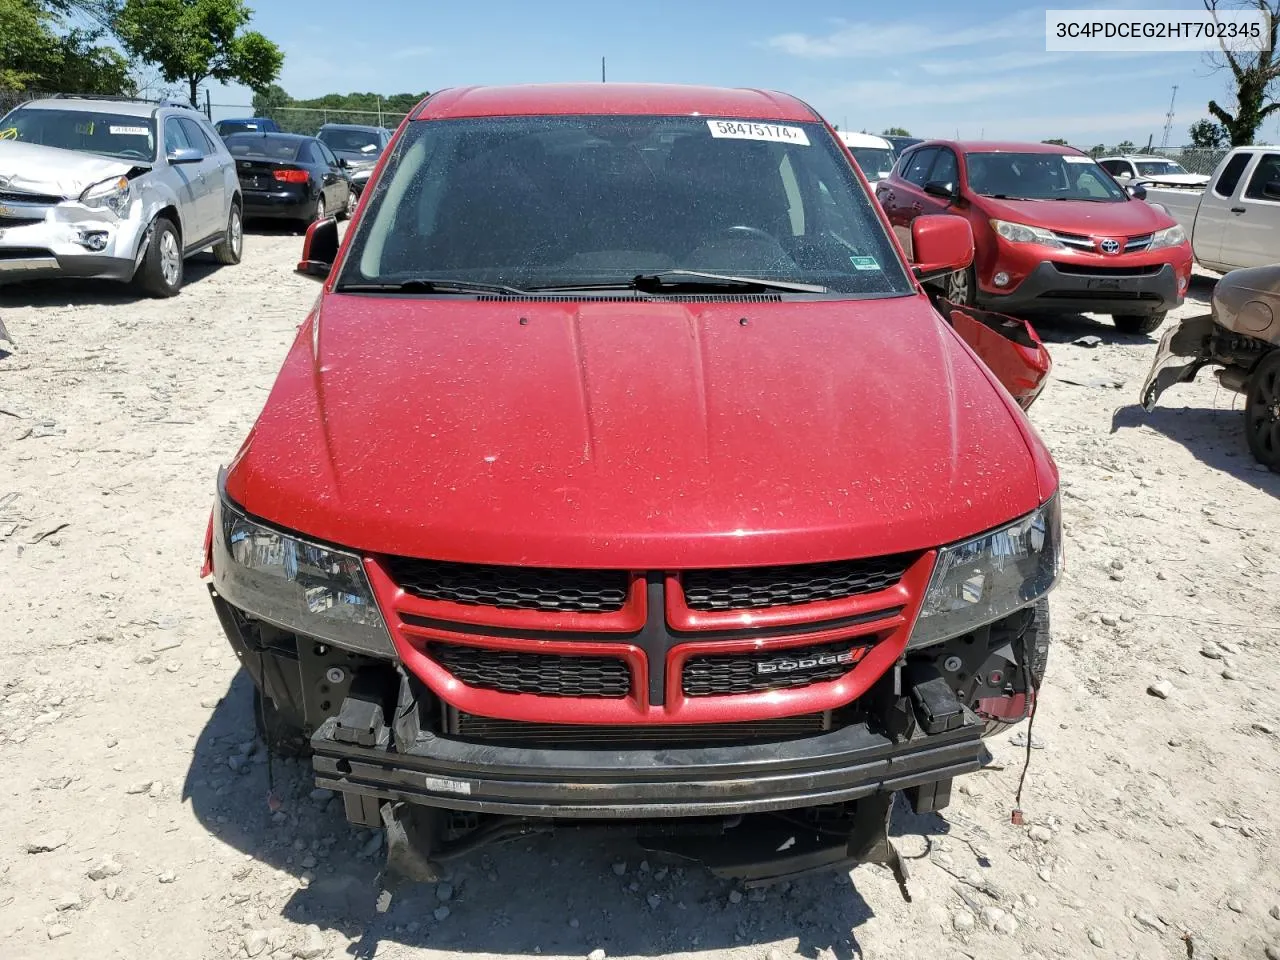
735, 896
313, 946
167, 877
1007, 925
444, 892
56, 930
620, 869
48, 842
441, 912
254, 942
1095, 937
1275, 911
963, 922
106, 867
1235, 906
1161, 689
1040, 834
596, 954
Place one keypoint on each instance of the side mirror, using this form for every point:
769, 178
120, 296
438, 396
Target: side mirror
1137, 191
185, 155
940, 188
319, 249
343, 162
942, 243
1271, 190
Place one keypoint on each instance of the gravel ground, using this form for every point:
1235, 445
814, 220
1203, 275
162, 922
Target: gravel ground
134, 797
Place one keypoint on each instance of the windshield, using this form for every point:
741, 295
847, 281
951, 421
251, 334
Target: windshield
1159, 168
263, 145
1040, 176
875, 163
573, 200
106, 134
362, 142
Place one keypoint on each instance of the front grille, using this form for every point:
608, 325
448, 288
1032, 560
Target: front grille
1136, 244
522, 588
731, 673
669, 735
7, 222
550, 675
25, 253
9, 196
1075, 240
750, 588
1088, 270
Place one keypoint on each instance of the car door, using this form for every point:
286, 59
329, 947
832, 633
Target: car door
945, 169
214, 212
1249, 237
187, 182
908, 193
337, 181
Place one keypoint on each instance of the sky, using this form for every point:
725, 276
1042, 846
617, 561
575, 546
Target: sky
938, 68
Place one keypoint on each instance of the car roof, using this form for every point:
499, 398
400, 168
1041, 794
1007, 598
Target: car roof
246, 120
366, 128
864, 140
652, 99
273, 134
1004, 146
123, 108
1138, 156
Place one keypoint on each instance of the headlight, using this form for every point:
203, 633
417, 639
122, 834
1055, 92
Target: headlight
989, 577
112, 194
1169, 237
296, 584
1021, 233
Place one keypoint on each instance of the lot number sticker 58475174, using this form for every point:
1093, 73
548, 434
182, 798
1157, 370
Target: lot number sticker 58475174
749, 130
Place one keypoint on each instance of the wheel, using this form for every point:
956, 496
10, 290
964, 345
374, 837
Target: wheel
318, 214
961, 287
1036, 639
160, 273
1262, 412
228, 251
283, 735
1138, 323
348, 208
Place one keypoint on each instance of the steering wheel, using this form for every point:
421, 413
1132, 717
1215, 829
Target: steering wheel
741, 229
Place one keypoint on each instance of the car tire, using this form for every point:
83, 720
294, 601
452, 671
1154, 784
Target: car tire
228, 252
961, 287
348, 208
318, 214
1037, 639
1262, 412
282, 735
160, 273
1138, 324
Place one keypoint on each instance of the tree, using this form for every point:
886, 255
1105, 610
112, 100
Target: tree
196, 40
40, 50
895, 132
1125, 146
268, 99
1254, 73
1207, 135
1098, 150
1057, 142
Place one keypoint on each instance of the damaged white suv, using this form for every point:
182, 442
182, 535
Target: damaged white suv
116, 189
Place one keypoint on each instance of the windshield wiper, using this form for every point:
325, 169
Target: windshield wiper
669, 280
431, 285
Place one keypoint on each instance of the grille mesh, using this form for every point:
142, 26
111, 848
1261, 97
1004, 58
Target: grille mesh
550, 675
731, 673
750, 589
625, 735
524, 588
10, 196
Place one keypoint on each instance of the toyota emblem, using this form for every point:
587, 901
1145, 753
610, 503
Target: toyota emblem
1110, 246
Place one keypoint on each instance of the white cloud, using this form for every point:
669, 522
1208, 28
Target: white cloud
904, 37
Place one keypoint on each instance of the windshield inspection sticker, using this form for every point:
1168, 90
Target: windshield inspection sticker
865, 263
745, 130
130, 131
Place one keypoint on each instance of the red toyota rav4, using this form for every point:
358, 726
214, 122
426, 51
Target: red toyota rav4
625, 473
1053, 230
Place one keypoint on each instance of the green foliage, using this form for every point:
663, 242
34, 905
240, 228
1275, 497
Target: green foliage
306, 116
1098, 150
1254, 74
1125, 146
1206, 134
194, 40
896, 132
1057, 142
39, 51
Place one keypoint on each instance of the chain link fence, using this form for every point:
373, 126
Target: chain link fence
307, 120
1192, 159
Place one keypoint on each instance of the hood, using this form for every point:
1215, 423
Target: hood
32, 168
633, 434
356, 158
1179, 179
1129, 218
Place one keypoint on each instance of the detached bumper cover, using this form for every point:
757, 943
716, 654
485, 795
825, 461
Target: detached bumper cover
834, 767
1048, 288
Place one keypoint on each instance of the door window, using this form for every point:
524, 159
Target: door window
1231, 175
175, 138
1266, 172
326, 155
195, 136
945, 169
918, 165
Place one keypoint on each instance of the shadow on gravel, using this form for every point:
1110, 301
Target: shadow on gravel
561, 894
62, 292
1214, 436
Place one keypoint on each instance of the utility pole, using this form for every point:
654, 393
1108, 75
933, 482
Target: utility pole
208, 107
379, 109
602, 70
1168, 119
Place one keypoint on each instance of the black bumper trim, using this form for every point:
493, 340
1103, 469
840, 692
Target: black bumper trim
834, 767
1047, 288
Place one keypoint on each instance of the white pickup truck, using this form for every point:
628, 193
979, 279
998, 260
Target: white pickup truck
1234, 221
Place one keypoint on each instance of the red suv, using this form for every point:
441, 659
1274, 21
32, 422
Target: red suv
625, 472
1052, 230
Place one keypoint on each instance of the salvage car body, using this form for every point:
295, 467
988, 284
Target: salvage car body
670, 546
79, 212
1241, 337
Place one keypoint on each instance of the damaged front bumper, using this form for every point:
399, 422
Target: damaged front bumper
1184, 349
67, 238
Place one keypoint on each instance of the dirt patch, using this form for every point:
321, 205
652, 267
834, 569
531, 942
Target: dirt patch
134, 796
